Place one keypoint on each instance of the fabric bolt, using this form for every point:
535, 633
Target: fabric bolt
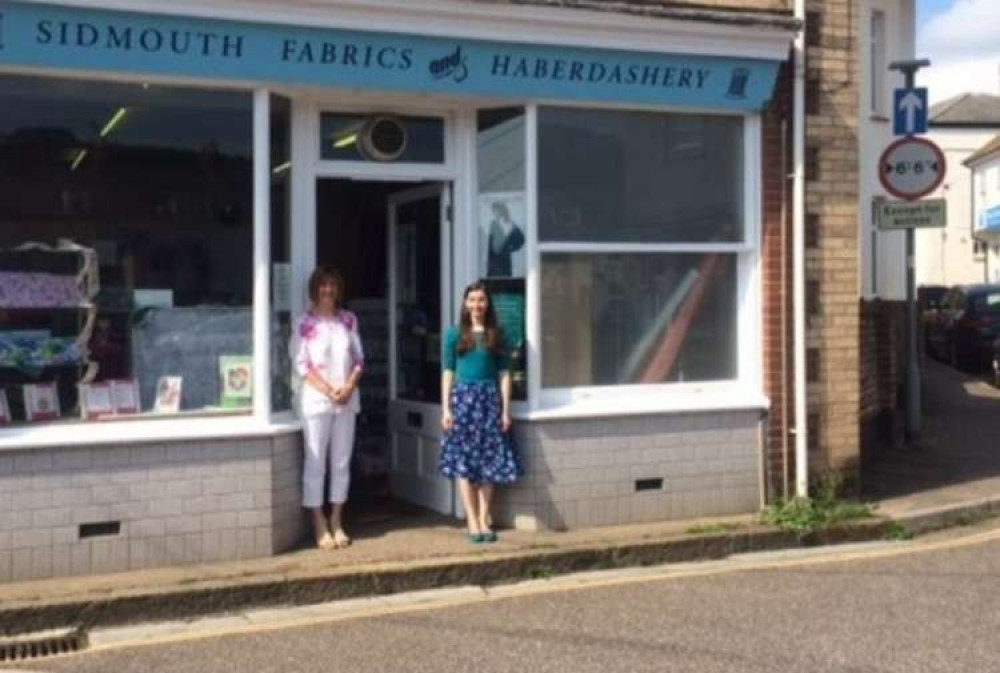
38, 290
476, 448
329, 439
330, 347
32, 353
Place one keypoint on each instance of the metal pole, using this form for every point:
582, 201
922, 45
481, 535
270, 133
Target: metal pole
912, 363
913, 420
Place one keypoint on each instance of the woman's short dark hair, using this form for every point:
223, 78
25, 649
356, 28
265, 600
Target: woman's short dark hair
321, 275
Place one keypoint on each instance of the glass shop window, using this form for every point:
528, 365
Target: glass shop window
618, 190
501, 235
126, 245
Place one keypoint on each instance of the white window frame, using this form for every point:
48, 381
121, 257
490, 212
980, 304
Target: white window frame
459, 168
878, 50
256, 421
744, 391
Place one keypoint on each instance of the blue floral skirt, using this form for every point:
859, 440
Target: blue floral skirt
475, 448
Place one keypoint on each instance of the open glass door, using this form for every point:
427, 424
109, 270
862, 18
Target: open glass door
419, 287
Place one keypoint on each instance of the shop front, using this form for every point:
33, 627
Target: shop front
169, 181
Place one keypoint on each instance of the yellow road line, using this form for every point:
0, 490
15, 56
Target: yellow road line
559, 585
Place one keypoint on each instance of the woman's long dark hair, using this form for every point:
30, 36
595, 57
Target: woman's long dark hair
493, 340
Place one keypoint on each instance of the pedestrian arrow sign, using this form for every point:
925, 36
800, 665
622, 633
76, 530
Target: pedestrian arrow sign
909, 112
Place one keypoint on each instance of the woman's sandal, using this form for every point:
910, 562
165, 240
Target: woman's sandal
340, 539
326, 542
476, 538
489, 537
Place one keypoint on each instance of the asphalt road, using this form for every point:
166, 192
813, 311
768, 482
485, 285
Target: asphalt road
931, 606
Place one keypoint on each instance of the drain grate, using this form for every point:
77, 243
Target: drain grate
43, 644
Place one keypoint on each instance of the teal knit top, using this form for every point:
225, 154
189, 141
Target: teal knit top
477, 364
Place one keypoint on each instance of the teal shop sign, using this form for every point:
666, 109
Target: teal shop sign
115, 41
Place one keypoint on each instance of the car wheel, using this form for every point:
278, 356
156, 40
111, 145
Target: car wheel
954, 357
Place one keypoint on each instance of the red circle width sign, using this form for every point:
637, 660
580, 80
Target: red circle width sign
911, 168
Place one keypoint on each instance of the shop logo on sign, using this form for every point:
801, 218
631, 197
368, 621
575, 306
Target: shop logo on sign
738, 83
453, 65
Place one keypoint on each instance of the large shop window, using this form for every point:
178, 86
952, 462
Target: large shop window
126, 246
641, 224
501, 235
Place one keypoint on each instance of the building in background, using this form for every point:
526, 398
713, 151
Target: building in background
961, 126
887, 33
984, 165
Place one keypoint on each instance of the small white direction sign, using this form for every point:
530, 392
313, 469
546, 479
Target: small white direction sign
911, 168
929, 214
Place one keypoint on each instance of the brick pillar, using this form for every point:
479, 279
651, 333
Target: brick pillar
832, 261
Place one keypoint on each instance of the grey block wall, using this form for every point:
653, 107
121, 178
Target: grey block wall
176, 503
584, 472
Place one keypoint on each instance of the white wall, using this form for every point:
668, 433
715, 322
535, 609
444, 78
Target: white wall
882, 255
946, 256
986, 195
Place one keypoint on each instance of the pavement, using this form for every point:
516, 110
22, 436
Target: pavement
919, 606
952, 479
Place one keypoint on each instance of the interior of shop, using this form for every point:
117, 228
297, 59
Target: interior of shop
355, 220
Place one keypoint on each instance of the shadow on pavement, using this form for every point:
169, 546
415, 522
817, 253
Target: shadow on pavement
960, 442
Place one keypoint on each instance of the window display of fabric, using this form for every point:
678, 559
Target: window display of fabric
20, 289
32, 353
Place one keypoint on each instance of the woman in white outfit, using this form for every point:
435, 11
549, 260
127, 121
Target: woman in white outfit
328, 357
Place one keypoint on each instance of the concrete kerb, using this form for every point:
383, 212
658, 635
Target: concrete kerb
192, 600
216, 597
928, 520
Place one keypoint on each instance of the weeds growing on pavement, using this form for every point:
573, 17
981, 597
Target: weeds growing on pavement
896, 531
715, 528
826, 507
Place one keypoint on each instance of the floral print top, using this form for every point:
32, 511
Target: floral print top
330, 347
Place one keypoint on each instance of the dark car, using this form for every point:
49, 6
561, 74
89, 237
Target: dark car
964, 326
996, 363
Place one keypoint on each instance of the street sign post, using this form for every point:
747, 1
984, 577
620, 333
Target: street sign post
911, 168
909, 111
899, 215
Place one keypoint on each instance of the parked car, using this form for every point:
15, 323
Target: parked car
928, 301
996, 363
964, 327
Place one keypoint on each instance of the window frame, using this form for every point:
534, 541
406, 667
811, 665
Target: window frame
257, 420
878, 50
745, 390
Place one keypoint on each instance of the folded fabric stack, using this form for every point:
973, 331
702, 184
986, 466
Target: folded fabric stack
30, 354
27, 289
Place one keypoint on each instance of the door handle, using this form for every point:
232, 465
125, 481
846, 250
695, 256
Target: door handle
414, 419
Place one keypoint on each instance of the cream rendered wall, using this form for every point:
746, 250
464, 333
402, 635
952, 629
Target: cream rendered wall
883, 264
946, 256
986, 195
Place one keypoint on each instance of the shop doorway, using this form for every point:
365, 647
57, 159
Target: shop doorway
392, 241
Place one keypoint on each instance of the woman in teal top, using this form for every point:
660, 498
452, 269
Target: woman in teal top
475, 391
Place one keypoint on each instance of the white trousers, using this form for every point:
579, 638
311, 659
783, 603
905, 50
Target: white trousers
329, 437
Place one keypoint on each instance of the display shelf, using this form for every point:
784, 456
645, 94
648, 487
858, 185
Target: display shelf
48, 316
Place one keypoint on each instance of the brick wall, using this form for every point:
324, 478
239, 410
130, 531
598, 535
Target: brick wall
883, 372
776, 252
832, 256
595, 472
175, 503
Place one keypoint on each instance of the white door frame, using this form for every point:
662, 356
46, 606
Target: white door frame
400, 410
